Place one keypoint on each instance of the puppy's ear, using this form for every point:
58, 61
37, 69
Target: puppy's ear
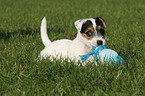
79, 23
100, 22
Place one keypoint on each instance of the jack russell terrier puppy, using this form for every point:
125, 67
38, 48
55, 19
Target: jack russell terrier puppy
90, 33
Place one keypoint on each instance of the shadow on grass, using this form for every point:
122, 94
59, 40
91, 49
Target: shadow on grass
4, 34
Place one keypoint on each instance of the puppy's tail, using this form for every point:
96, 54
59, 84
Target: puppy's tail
44, 35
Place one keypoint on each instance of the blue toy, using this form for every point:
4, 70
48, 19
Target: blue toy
103, 54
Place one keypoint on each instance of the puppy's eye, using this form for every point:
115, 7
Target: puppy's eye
102, 31
88, 33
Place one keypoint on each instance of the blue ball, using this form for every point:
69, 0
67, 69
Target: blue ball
107, 55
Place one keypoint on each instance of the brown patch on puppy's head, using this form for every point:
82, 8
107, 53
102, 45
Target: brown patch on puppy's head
101, 25
100, 22
87, 29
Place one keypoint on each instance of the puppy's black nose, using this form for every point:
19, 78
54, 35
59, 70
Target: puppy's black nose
99, 42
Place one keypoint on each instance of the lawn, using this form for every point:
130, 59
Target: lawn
22, 72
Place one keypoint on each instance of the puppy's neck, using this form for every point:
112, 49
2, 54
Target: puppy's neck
83, 43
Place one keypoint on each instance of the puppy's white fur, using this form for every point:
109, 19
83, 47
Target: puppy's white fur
68, 48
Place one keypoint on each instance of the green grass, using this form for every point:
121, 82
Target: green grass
22, 73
